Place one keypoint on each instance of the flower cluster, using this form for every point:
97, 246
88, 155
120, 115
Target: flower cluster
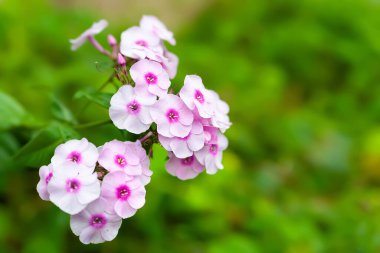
100, 186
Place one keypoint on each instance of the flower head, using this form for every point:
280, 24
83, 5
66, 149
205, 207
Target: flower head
96, 28
185, 147
120, 156
170, 63
151, 76
144, 161
183, 168
71, 187
137, 43
221, 109
172, 117
46, 173
126, 192
195, 95
81, 152
96, 223
130, 109
211, 154
155, 26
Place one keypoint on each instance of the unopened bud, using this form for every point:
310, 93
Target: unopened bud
111, 40
120, 60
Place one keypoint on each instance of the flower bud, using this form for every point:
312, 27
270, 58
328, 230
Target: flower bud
111, 40
120, 60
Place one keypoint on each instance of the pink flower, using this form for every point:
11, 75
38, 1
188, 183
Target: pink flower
137, 43
185, 147
211, 154
96, 223
46, 172
211, 134
71, 187
130, 110
186, 168
96, 28
172, 117
120, 156
151, 76
80, 152
128, 193
169, 62
155, 26
221, 109
144, 161
195, 95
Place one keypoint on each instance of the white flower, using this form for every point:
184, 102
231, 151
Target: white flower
96, 28
155, 26
137, 43
46, 173
195, 95
96, 223
130, 110
211, 154
71, 187
81, 152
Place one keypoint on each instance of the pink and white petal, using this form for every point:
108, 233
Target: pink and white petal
164, 129
42, 190
134, 125
163, 80
186, 116
196, 142
201, 154
144, 115
180, 148
118, 117
68, 203
157, 90
222, 142
133, 170
111, 230
79, 222
186, 172
179, 130
90, 235
124, 210
89, 193
137, 198
165, 142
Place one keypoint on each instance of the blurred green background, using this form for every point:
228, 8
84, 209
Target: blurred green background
302, 172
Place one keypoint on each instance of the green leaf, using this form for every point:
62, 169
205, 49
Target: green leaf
11, 112
40, 148
100, 98
60, 111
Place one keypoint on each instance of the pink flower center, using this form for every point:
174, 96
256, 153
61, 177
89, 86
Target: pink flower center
48, 177
75, 156
120, 161
187, 161
213, 149
199, 96
97, 221
72, 185
133, 107
123, 192
142, 43
172, 115
150, 78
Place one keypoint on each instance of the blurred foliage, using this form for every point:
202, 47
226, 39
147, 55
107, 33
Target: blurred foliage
302, 172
